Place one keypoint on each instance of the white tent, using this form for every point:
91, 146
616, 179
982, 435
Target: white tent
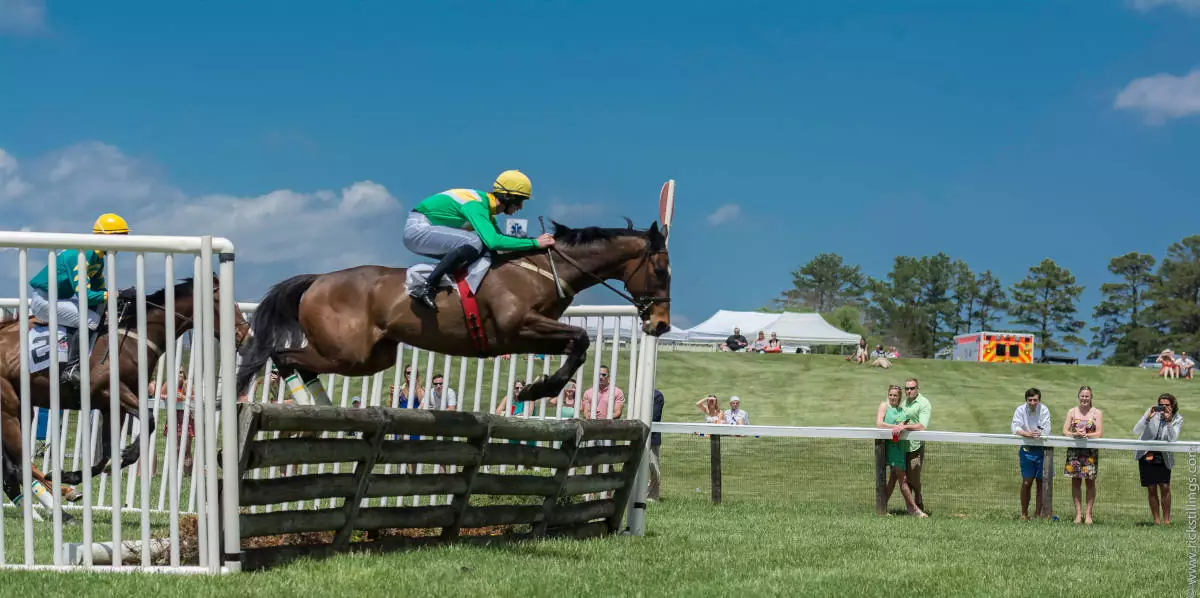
792, 328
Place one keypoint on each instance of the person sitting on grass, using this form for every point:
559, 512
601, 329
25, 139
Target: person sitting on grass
735, 342
773, 345
711, 409
890, 416
760, 343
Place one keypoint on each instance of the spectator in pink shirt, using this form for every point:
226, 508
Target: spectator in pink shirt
607, 392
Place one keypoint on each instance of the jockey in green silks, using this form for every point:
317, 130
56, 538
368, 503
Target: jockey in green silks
456, 226
66, 307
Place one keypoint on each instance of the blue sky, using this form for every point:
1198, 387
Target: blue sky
998, 132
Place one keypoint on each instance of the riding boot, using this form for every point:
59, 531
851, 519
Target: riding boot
70, 371
456, 258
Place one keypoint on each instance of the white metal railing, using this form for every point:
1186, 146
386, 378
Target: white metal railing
210, 509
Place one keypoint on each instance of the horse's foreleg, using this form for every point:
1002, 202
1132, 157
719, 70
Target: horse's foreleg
10, 424
552, 337
129, 406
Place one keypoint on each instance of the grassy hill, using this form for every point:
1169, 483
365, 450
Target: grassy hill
826, 390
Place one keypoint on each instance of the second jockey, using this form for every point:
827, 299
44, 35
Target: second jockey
455, 226
67, 306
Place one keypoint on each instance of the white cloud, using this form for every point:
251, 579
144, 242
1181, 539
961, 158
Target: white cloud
1162, 96
1190, 6
724, 214
575, 214
278, 233
22, 17
11, 185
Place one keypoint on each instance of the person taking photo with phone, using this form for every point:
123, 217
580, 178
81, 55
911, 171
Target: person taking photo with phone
1160, 422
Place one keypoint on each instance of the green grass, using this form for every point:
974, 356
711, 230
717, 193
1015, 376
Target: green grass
798, 514
819, 390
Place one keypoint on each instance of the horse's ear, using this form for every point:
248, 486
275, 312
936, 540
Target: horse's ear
628, 223
558, 227
658, 241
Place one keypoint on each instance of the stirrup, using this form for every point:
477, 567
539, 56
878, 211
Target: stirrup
70, 374
423, 293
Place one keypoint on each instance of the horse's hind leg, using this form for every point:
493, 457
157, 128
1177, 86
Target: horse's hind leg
552, 337
308, 390
13, 444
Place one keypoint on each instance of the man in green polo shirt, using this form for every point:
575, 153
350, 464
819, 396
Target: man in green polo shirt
917, 411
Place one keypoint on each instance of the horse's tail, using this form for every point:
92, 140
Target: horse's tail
276, 325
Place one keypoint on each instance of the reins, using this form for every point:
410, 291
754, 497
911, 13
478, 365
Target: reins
642, 304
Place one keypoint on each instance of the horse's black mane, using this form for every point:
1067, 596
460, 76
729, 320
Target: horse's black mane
128, 314
582, 236
567, 236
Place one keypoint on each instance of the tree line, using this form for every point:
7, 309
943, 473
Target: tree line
923, 302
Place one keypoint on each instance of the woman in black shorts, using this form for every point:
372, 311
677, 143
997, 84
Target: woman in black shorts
1161, 422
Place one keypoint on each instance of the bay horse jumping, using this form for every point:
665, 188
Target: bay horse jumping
126, 351
349, 322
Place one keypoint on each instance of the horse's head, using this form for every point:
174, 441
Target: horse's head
648, 280
636, 257
185, 309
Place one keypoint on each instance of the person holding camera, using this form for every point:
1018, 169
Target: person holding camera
1160, 422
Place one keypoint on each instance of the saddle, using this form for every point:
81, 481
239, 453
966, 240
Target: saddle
466, 281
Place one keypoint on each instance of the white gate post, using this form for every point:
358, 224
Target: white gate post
636, 514
231, 478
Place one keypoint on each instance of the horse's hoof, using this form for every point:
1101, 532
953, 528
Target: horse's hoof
71, 494
69, 478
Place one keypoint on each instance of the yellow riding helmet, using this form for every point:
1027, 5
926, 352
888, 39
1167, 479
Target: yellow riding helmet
110, 224
513, 182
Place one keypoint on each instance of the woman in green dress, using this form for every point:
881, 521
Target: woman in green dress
568, 401
891, 416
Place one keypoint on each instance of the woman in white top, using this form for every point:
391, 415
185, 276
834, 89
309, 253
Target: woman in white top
711, 410
1160, 422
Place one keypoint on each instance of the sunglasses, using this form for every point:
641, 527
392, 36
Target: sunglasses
437, 383
910, 388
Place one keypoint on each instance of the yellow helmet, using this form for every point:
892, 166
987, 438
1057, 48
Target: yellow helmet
514, 183
110, 224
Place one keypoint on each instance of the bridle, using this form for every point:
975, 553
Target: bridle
124, 303
643, 304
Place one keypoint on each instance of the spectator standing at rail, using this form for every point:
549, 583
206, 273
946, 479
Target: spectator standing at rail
1032, 420
607, 393
1160, 422
1083, 421
917, 414
568, 402
441, 397
891, 415
656, 448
